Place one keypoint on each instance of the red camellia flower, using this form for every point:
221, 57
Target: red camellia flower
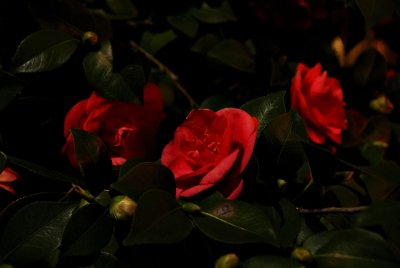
128, 130
211, 149
7, 176
319, 101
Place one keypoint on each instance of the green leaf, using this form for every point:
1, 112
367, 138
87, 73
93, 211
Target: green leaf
384, 214
369, 68
204, 44
106, 260
10, 87
373, 153
266, 108
93, 159
216, 102
214, 15
185, 23
263, 261
128, 165
122, 9
145, 176
375, 11
88, 231
233, 53
3, 161
154, 42
44, 50
234, 222
351, 248
159, 219
126, 86
44, 172
290, 223
34, 232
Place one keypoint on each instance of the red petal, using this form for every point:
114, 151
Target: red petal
75, 117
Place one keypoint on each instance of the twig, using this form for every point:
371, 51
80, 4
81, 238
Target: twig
167, 71
331, 210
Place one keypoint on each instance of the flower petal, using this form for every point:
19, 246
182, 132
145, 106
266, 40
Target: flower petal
221, 169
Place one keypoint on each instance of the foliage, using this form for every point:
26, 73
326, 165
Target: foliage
302, 204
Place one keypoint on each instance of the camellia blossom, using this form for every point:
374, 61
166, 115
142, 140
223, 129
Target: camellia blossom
319, 101
128, 130
7, 176
211, 149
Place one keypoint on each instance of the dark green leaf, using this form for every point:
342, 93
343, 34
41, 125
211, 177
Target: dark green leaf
3, 161
106, 260
126, 86
128, 165
93, 159
44, 172
290, 224
87, 232
369, 68
264, 261
375, 11
145, 176
351, 248
266, 108
44, 50
122, 9
204, 44
34, 232
384, 214
10, 87
373, 153
233, 53
185, 23
159, 219
154, 42
214, 15
234, 222
216, 102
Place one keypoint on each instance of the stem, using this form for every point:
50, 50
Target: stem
167, 71
331, 210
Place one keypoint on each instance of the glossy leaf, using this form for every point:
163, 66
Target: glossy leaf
93, 159
214, 15
10, 87
384, 214
205, 43
122, 9
290, 223
44, 50
126, 86
263, 261
145, 176
154, 42
375, 11
87, 232
44, 172
216, 102
185, 23
351, 248
34, 232
159, 219
369, 68
234, 222
233, 53
266, 108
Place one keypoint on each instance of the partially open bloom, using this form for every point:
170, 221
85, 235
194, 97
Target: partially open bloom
211, 150
128, 130
319, 101
7, 176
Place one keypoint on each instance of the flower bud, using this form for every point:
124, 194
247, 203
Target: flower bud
190, 207
230, 260
91, 37
122, 207
301, 254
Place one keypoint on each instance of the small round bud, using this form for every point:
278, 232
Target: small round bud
91, 37
281, 183
230, 260
190, 207
301, 254
122, 207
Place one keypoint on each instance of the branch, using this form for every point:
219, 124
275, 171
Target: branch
331, 210
167, 71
